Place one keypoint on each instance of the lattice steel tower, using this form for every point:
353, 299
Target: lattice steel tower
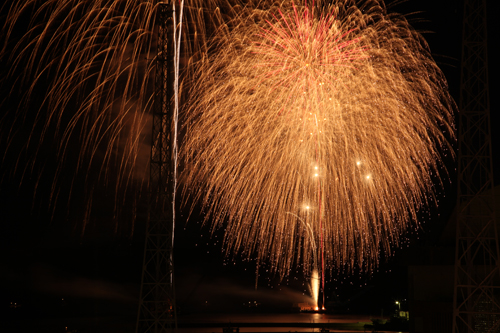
477, 280
157, 312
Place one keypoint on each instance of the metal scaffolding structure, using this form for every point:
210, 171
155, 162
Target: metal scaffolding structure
157, 311
476, 306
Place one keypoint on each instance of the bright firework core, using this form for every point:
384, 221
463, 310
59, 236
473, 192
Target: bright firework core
314, 131
314, 288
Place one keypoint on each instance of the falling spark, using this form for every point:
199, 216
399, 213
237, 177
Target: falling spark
346, 88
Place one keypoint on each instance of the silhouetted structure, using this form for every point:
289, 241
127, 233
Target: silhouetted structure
476, 306
157, 312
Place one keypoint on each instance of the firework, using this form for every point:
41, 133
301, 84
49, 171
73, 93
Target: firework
78, 78
312, 131
315, 133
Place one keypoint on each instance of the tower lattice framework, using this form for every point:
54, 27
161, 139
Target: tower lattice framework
477, 281
157, 311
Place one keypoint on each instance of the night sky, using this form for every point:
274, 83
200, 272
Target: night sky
52, 268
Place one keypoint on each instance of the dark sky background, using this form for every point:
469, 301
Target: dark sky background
45, 259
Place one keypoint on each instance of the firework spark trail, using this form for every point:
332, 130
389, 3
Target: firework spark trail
332, 120
92, 61
90, 54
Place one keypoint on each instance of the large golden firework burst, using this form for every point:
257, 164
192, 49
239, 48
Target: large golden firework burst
316, 132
